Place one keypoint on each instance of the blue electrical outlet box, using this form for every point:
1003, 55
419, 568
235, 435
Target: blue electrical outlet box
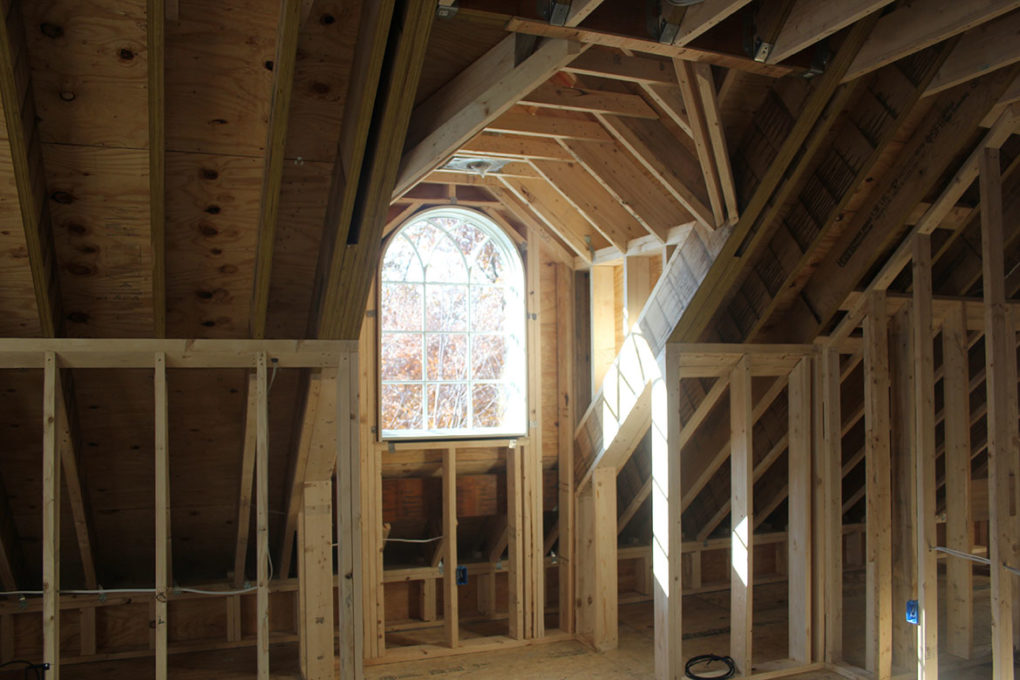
462, 576
912, 611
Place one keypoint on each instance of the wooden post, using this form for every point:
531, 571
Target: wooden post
349, 509
262, 518
877, 464
1002, 424
597, 582
741, 516
637, 287
451, 612
959, 526
667, 510
832, 515
534, 540
565, 387
162, 501
316, 580
603, 324
798, 528
924, 440
51, 518
515, 542
904, 490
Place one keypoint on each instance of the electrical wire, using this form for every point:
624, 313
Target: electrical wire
731, 668
414, 540
39, 668
973, 558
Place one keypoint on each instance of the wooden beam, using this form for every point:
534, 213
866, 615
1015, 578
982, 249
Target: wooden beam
553, 96
579, 11
831, 455
603, 324
316, 580
604, 62
810, 22
1002, 424
538, 125
156, 63
667, 538
717, 136
924, 443
741, 517
597, 588
981, 50
77, 497
355, 218
29, 173
635, 504
477, 96
262, 518
588, 36
912, 27
162, 503
284, 63
798, 528
956, 396
451, 608
247, 476
565, 349
51, 518
515, 542
534, 571
354, 501
699, 131
878, 639
701, 17
538, 197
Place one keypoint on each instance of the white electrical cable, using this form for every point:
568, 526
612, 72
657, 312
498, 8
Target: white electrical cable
414, 540
973, 558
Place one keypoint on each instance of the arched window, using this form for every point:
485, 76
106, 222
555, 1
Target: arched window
452, 329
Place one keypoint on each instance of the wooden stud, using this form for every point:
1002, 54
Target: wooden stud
316, 581
603, 324
156, 63
515, 542
637, 288
247, 477
284, 63
534, 542
350, 522
717, 136
1002, 424
596, 511
878, 637
798, 528
451, 609
565, 428
667, 513
832, 512
959, 527
162, 503
51, 518
262, 518
741, 516
924, 442
701, 17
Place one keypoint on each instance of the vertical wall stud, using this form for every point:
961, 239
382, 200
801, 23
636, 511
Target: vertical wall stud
798, 529
51, 518
262, 517
741, 516
162, 500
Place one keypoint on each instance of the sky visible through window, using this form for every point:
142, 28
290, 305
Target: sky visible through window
452, 340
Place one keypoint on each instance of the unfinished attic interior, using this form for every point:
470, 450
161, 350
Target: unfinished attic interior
509, 338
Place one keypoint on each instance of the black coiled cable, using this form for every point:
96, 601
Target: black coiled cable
709, 658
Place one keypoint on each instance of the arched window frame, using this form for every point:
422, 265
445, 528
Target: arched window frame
515, 423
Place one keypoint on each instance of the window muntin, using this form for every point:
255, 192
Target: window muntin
452, 329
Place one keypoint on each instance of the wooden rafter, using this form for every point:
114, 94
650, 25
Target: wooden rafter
914, 26
77, 497
476, 97
810, 21
356, 214
707, 157
701, 17
156, 63
981, 50
29, 175
284, 63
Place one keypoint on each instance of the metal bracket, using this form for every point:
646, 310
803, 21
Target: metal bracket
446, 9
558, 12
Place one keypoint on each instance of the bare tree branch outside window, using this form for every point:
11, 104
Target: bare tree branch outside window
452, 347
